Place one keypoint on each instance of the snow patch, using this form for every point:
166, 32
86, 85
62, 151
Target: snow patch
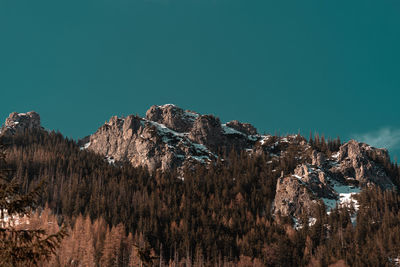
312, 221
201, 159
85, 146
12, 220
167, 105
110, 160
346, 195
253, 137
264, 139
297, 225
335, 155
164, 129
229, 130
191, 115
296, 176
329, 203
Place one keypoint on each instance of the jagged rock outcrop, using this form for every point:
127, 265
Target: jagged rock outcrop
316, 180
21, 121
172, 117
317, 158
332, 180
245, 128
143, 143
293, 198
355, 162
207, 131
169, 137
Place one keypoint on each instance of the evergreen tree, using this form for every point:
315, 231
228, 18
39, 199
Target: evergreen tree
20, 247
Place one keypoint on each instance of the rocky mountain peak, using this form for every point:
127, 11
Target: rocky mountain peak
207, 130
168, 137
21, 121
358, 160
354, 150
332, 180
172, 116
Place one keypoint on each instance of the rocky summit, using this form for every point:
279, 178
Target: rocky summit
331, 180
17, 122
169, 137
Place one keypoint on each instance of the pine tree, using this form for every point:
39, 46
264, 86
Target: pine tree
20, 247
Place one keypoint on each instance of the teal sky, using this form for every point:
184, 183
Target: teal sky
284, 66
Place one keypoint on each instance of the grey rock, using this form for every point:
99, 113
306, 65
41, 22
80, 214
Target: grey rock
17, 122
172, 116
316, 180
245, 128
207, 131
356, 163
293, 198
317, 158
169, 137
351, 167
146, 143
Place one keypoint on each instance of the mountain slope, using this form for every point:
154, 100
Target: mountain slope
313, 173
264, 200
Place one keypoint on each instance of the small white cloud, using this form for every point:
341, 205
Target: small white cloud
384, 138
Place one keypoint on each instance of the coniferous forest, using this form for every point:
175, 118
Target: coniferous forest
211, 215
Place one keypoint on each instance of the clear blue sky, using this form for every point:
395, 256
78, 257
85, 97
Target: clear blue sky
284, 66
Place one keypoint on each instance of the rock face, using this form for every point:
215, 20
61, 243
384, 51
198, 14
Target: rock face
172, 117
333, 180
207, 130
293, 198
356, 162
245, 128
17, 122
168, 137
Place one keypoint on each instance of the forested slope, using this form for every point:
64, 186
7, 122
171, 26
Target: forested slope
219, 212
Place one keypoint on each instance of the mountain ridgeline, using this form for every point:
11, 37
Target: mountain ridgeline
196, 188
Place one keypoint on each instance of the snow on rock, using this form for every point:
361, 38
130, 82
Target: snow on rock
264, 139
191, 115
85, 146
21, 121
12, 220
164, 129
297, 225
229, 130
202, 159
253, 138
346, 195
168, 136
110, 159
297, 176
335, 155
312, 221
